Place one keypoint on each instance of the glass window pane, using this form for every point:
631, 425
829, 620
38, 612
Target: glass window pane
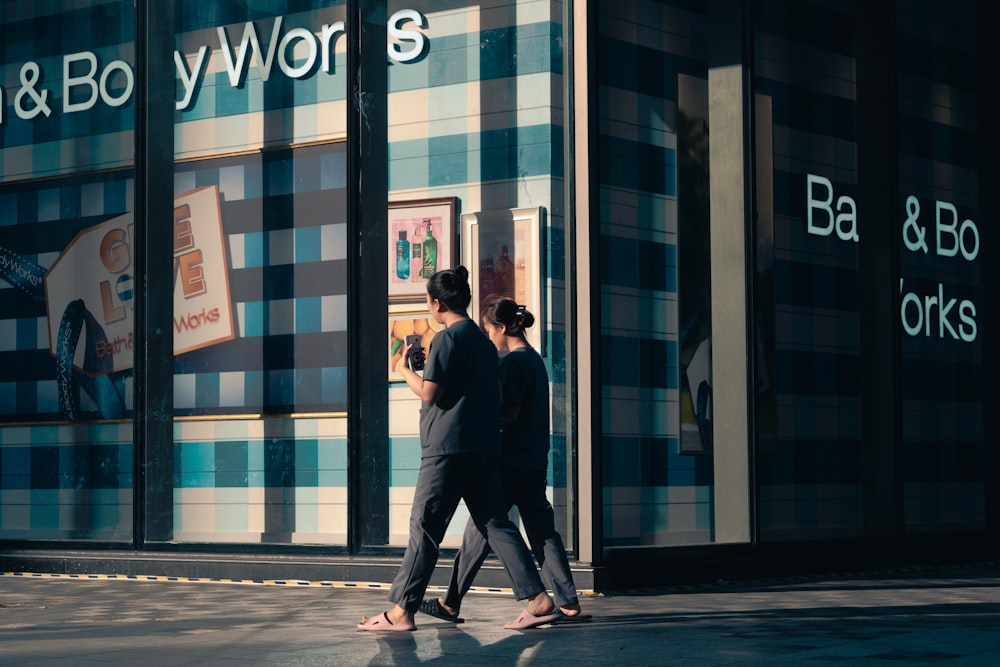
807, 291
475, 109
260, 274
66, 271
940, 278
655, 274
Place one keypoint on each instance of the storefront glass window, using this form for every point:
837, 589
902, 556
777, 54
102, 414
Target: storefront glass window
475, 109
260, 274
808, 463
66, 274
655, 318
942, 302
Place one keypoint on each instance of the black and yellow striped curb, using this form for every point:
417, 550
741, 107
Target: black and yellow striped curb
360, 585
721, 583
215, 580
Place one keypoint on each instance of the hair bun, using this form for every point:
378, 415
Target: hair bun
462, 273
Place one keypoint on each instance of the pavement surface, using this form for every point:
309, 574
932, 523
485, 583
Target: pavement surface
920, 616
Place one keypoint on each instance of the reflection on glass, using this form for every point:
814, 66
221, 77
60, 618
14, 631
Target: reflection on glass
67, 284
941, 293
260, 256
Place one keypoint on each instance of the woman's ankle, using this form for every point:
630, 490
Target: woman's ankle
541, 604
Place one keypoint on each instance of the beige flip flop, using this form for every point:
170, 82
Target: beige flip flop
381, 623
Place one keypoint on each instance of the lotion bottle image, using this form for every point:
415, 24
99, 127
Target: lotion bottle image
430, 252
402, 257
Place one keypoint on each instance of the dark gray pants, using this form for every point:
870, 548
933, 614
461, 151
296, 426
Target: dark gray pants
526, 489
442, 482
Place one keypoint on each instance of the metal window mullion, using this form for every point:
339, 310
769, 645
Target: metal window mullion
153, 211
367, 204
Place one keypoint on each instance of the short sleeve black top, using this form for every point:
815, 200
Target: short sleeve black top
466, 419
525, 385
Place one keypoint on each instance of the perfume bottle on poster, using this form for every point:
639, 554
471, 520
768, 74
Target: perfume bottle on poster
402, 257
416, 255
430, 251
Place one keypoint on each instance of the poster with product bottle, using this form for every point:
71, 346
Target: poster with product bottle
421, 242
501, 249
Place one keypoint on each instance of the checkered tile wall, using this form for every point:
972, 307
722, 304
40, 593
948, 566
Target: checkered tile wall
652, 495
66, 482
939, 157
468, 121
275, 480
808, 460
284, 219
42, 130
480, 118
38, 220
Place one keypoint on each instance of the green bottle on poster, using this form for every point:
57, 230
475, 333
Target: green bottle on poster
430, 252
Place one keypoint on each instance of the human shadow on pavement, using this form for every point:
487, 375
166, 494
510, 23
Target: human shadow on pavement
453, 645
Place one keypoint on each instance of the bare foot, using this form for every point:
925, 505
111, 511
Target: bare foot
570, 610
451, 610
395, 615
541, 605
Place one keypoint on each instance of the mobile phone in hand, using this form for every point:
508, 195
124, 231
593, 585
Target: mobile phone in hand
416, 352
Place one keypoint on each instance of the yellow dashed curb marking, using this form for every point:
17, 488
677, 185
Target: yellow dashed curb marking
363, 585
722, 583
214, 580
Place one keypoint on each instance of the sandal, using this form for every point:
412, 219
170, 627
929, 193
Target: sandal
575, 618
381, 623
432, 607
528, 620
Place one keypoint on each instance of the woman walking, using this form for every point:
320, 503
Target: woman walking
460, 448
524, 415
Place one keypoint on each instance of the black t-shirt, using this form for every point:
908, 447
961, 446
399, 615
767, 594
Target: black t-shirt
525, 385
466, 419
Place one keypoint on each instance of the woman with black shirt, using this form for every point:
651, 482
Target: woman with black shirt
460, 449
524, 415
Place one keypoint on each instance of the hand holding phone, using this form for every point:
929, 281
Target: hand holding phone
416, 354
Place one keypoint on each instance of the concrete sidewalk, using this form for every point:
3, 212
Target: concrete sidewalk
916, 617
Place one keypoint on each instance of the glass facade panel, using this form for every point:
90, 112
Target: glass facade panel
269, 291
260, 274
942, 301
808, 410
475, 120
655, 344
66, 272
